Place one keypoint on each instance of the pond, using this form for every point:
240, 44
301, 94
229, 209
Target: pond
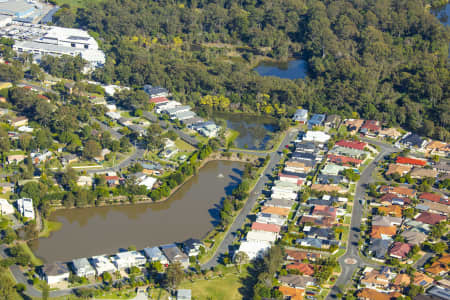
292, 69
255, 132
191, 212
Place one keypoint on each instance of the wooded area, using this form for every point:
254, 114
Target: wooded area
384, 59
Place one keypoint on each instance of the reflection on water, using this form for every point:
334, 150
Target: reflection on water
254, 131
190, 213
442, 13
289, 70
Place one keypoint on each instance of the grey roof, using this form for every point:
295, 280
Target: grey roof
316, 243
280, 202
154, 90
379, 247
316, 119
414, 237
330, 179
413, 140
297, 281
154, 253
55, 269
324, 233
422, 207
173, 253
385, 220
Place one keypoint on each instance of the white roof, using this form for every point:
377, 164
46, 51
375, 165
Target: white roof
148, 182
316, 136
5, 207
254, 249
263, 236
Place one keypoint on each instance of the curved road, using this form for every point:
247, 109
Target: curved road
275, 157
352, 252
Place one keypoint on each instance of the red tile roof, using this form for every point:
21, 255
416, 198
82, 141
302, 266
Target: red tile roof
323, 210
305, 269
343, 160
371, 125
298, 255
410, 161
400, 249
430, 218
389, 197
159, 100
266, 227
352, 144
431, 197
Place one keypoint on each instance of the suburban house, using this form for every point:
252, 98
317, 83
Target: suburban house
398, 190
316, 136
333, 121
442, 167
435, 207
434, 198
370, 128
389, 133
391, 210
353, 125
379, 247
301, 116
270, 219
18, 121
327, 188
430, 218
279, 202
102, 264
437, 148
383, 232
128, 259
85, 180
82, 267
386, 221
300, 255
284, 212
68, 159
261, 236
419, 173
254, 249
400, 250
321, 221
440, 266
6, 187
323, 210
401, 281
15, 158
316, 120
319, 233
297, 281
344, 160
266, 227
303, 268
192, 247
390, 198
332, 169
422, 280
291, 293
412, 140
375, 279
371, 294
414, 237
174, 254
398, 169
156, 91
351, 144
155, 254
410, 161
6, 208
54, 273
25, 207
312, 242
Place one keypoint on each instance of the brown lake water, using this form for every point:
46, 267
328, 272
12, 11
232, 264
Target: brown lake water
191, 212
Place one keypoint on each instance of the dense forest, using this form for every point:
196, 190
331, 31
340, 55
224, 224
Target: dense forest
379, 59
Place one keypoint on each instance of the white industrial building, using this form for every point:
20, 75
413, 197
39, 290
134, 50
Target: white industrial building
25, 207
42, 40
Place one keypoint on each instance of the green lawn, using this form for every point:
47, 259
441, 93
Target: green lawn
222, 288
34, 260
48, 227
183, 146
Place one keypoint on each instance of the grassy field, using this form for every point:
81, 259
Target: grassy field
49, 226
183, 146
221, 288
35, 261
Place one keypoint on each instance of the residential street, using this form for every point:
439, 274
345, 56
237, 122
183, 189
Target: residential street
275, 157
357, 213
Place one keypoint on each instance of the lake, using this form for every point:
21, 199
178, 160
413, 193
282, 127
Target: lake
292, 69
191, 212
255, 132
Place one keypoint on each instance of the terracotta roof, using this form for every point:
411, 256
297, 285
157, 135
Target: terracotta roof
305, 269
378, 231
430, 218
344, 160
389, 198
392, 210
398, 190
325, 188
275, 210
440, 266
324, 210
352, 144
410, 161
375, 295
292, 293
301, 255
422, 172
266, 227
400, 249
402, 280
437, 207
354, 123
421, 279
391, 132
437, 145
158, 100
431, 197
398, 169
371, 125
375, 277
